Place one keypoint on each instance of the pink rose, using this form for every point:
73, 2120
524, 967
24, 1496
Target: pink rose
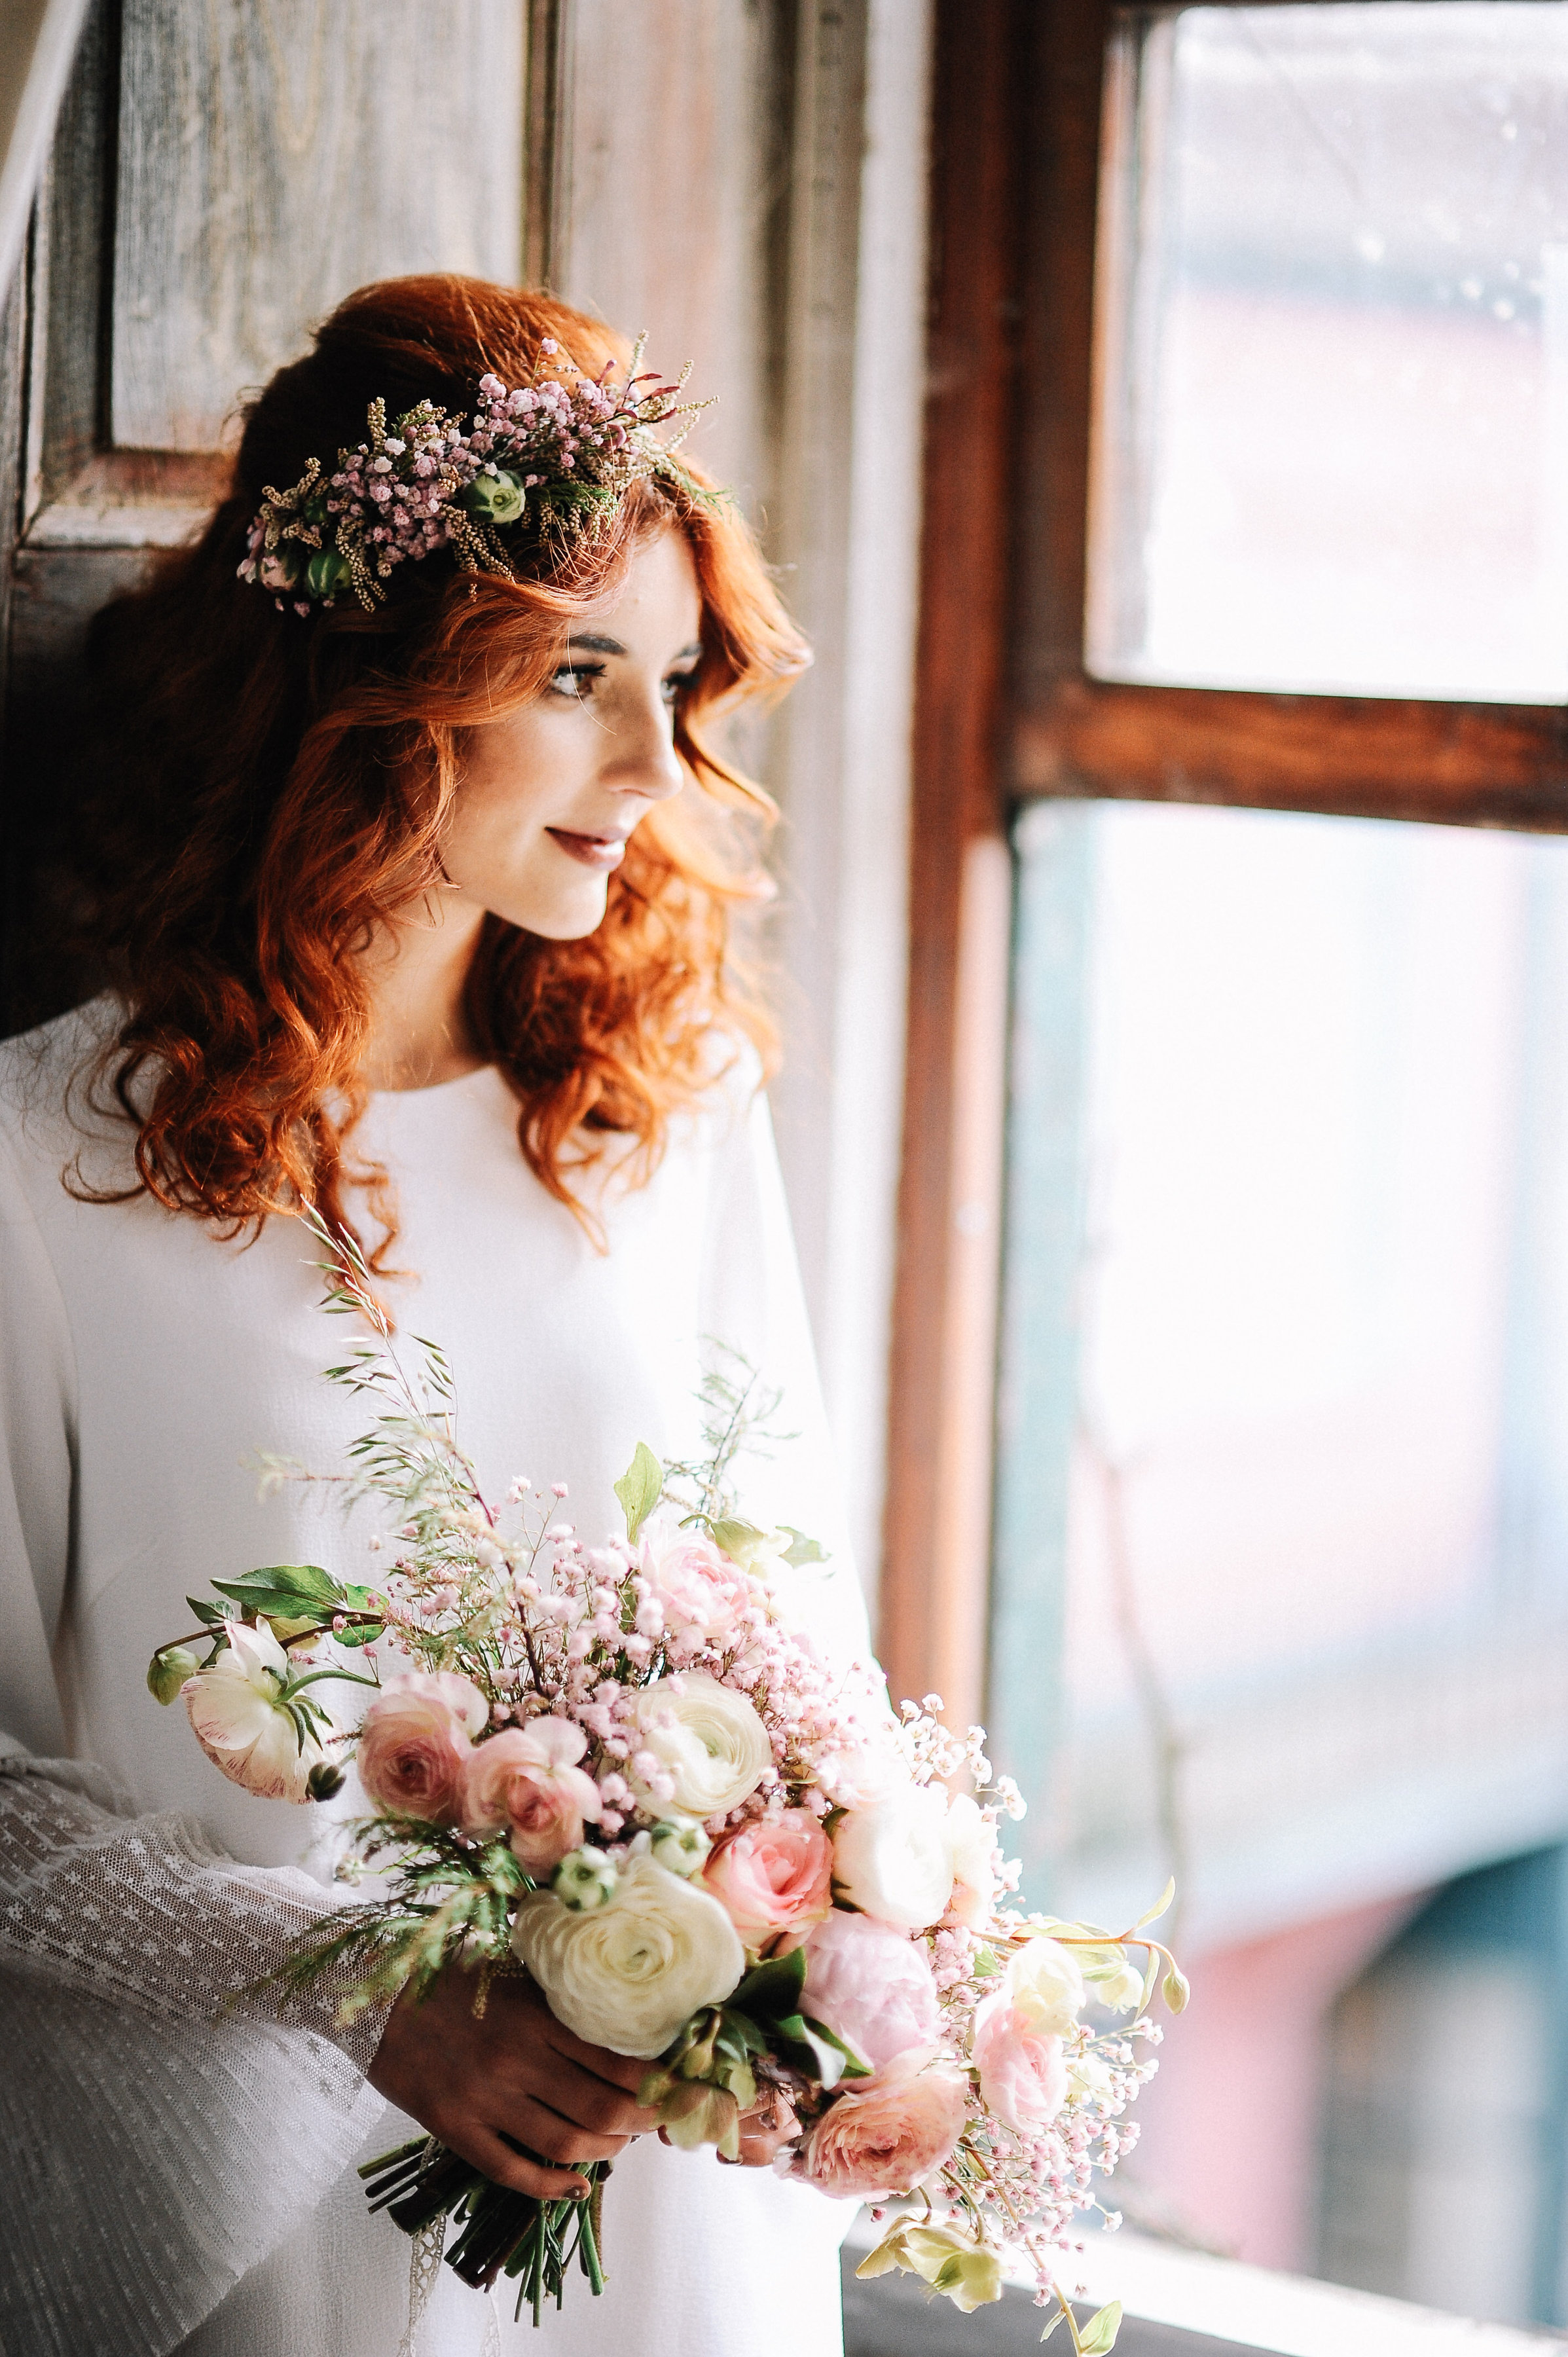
1023, 2074
700, 1590
889, 2135
870, 1985
414, 1741
526, 1779
772, 1875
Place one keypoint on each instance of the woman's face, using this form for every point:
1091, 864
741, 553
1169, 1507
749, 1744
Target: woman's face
548, 794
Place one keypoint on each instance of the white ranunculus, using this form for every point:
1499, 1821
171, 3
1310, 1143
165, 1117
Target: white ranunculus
893, 1860
708, 1742
1045, 1984
630, 1974
235, 1712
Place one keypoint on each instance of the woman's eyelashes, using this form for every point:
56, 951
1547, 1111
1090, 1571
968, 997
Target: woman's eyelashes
577, 680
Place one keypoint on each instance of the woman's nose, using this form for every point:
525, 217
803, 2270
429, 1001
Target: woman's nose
642, 758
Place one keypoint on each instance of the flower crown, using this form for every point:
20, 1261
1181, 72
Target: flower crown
557, 456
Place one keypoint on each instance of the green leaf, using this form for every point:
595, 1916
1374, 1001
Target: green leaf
1152, 1914
804, 1550
211, 1615
735, 1535
639, 1487
360, 1633
282, 1588
305, 1579
1052, 2325
773, 1988
739, 2036
854, 2067
1099, 2335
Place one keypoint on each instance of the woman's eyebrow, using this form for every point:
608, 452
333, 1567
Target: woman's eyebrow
595, 644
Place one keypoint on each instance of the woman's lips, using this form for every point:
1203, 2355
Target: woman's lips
601, 851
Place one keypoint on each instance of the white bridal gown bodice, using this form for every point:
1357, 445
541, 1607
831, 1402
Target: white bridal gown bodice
146, 1361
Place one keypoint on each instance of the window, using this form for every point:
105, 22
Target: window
1245, 456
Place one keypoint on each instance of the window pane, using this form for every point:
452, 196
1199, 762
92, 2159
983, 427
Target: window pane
1315, 1315
1332, 438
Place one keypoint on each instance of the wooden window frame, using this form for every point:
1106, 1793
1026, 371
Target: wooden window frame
1007, 714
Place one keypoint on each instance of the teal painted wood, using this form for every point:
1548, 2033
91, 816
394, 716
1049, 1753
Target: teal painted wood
1038, 1335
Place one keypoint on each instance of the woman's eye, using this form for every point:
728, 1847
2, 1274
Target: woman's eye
575, 679
675, 687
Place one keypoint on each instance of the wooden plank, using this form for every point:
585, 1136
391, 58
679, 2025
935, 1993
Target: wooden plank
69, 403
1371, 757
936, 1521
12, 418
547, 139
273, 157
1059, 194
673, 196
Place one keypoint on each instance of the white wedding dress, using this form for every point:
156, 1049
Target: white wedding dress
176, 2174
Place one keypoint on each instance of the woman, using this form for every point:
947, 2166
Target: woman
414, 896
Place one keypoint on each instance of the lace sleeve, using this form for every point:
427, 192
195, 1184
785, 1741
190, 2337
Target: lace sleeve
159, 2132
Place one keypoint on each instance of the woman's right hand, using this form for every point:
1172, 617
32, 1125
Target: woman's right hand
514, 2069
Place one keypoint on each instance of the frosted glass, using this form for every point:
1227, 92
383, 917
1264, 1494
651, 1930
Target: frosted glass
1331, 446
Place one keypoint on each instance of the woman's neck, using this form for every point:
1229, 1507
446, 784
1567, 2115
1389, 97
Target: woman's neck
417, 973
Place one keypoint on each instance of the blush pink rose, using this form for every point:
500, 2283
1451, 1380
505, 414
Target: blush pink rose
773, 1875
1023, 2071
700, 1590
414, 1741
870, 1985
889, 2135
526, 1780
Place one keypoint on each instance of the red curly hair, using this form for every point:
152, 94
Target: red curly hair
278, 787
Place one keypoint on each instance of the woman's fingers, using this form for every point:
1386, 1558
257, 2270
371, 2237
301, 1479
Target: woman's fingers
486, 2150
621, 2070
765, 2130
553, 2138
577, 2094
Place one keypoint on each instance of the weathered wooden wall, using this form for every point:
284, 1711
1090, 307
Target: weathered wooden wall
273, 154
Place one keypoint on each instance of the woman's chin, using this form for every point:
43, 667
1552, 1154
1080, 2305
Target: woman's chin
562, 917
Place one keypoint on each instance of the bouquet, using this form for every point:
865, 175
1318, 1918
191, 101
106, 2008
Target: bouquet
628, 1771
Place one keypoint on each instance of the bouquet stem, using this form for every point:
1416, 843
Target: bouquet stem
503, 2232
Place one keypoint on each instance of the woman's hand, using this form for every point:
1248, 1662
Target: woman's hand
516, 2069
768, 2125
766, 2130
